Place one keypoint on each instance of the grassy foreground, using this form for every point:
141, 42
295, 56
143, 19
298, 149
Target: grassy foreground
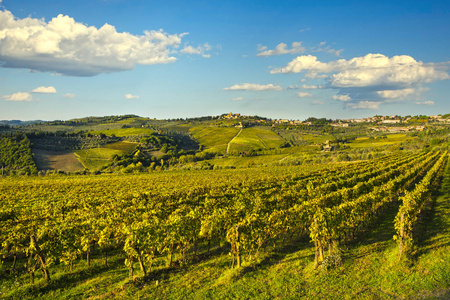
370, 269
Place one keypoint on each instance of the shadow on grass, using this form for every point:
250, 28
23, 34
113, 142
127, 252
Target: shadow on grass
435, 226
69, 280
377, 235
178, 266
278, 255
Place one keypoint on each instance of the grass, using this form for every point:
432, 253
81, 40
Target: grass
365, 142
214, 139
95, 158
370, 270
123, 131
233, 139
122, 146
255, 138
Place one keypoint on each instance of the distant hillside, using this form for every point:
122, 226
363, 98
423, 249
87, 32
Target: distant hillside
19, 122
130, 143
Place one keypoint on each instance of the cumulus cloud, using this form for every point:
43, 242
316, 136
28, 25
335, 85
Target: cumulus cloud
303, 95
317, 102
364, 105
19, 96
343, 98
130, 96
304, 63
44, 90
368, 81
425, 103
68, 95
200, 50
398, 94
311, 87
370, 70
253, 87
67, 47
237, 99
281, 49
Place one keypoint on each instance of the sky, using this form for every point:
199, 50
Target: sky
179, 59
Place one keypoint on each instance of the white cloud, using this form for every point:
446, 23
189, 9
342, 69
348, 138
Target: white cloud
281, 49
317, 102
200, 50
130, 96
261, 48
302, 63
303, 95
253, 87
400, 94
323, 47
44, 90
343, 98
70, 96
311, 87
364, 105
19, 96
370, 70
425, 103
70, 48
238, 99
367, 82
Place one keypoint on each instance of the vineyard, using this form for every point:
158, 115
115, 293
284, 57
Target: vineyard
157, 225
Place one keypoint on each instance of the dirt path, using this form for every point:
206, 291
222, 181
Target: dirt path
262, 142
229, 143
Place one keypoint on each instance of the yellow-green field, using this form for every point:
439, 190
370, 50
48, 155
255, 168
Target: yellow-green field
255, 138
122, 146
95, 158
124, 131
214, 139
366, 142
234, 139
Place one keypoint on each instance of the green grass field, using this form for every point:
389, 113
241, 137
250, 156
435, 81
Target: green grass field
123, 131
390, 139
255, 138
235, 140
214, 139
93, 159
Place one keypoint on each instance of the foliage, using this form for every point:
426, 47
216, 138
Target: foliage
15, 155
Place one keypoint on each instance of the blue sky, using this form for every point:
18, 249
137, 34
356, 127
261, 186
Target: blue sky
178, 59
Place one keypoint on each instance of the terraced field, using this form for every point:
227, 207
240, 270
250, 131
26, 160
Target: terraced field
255, 138
93, 159
214, 139
235, 140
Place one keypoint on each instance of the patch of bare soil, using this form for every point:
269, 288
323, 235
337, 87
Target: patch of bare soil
56, 160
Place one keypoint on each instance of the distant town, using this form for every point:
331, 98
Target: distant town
393, 123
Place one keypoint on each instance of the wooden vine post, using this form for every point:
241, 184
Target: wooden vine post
238, 246
401, 235
41, 257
